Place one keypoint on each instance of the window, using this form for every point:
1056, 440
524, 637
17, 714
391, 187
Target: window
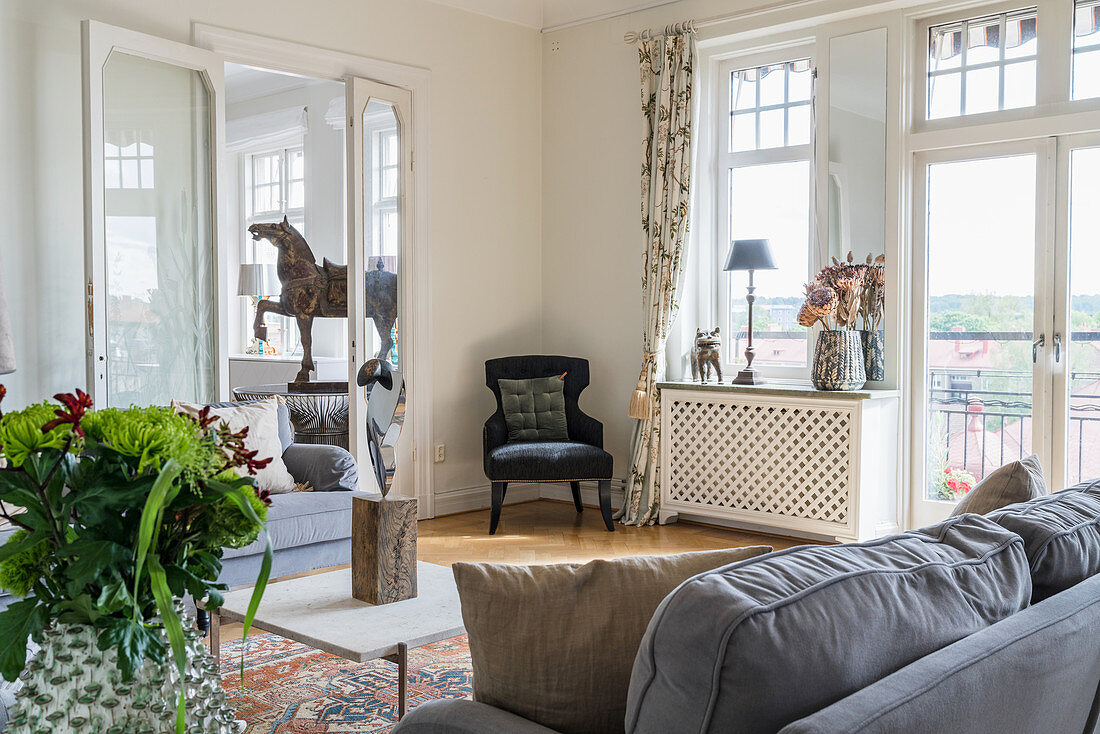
1086, 49
982, 64
764, 192
274, 187
128, 166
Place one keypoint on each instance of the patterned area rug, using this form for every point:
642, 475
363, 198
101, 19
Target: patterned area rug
293, 688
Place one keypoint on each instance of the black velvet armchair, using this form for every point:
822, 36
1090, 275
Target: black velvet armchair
579, 459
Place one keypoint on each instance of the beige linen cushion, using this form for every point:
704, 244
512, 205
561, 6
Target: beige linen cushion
1016, 481
556, 644
262, 420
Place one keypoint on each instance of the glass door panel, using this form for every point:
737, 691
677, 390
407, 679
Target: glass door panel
379, 166
981, 270
159, 236
1083, 354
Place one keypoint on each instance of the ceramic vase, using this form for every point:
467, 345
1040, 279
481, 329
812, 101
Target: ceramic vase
874, 354
70, 685
838, 361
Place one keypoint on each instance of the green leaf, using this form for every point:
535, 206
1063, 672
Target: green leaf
18, 622
161, 494
257, 594
92, 557
113, 597
133, 641
15, 547
172, 625
80, 609
214, 600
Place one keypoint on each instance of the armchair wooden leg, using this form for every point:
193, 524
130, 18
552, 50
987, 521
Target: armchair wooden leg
499, 490
576, 487
605, 504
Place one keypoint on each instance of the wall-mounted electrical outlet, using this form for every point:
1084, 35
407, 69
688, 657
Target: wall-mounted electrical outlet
440, 452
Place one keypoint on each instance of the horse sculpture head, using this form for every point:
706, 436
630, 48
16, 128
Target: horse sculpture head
294, 252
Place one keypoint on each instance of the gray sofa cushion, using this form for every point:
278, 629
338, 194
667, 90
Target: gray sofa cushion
1061, 535
1036, 671
301, 518
325, 468
753, 646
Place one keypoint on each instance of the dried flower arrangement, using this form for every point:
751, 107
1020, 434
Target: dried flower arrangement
844, 293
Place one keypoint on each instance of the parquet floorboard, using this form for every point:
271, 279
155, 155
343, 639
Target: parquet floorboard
546, 531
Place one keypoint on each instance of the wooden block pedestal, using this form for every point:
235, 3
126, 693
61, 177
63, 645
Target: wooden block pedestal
383, 548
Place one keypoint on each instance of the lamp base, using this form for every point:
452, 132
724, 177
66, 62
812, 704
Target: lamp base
748, 376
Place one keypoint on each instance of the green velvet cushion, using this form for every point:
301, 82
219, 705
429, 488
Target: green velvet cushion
534, 409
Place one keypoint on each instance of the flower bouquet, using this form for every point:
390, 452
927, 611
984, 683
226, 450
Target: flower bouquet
834, 300
119, 515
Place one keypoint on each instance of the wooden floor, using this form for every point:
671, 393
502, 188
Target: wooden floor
546, 531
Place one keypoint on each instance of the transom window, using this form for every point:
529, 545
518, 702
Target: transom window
770, 106
982, 64
278, 182
128, 166
1086, 49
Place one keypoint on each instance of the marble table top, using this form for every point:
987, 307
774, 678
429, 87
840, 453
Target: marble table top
320, 611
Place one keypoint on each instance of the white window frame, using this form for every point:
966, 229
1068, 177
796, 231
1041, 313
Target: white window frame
726, 161
1075, 51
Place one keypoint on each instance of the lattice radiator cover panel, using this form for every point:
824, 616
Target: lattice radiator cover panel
787, 460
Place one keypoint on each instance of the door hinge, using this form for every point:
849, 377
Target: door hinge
90, 305
351, 122
412, 159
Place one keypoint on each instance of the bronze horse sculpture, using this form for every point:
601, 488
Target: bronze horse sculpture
320, 291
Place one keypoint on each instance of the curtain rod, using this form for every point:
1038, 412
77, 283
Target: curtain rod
691, 26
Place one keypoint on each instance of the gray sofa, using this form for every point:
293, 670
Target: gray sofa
953, 628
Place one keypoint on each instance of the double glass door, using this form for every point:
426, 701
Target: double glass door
1007, 357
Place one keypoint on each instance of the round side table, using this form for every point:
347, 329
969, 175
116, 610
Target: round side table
318, 410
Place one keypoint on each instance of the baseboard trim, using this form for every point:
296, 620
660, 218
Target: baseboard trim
479, 497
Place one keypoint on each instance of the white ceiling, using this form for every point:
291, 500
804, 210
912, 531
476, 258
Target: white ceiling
549, 14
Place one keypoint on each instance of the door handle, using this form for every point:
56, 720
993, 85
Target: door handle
1057, 346
1041, 341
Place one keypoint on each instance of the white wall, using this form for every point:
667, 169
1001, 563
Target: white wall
485, 207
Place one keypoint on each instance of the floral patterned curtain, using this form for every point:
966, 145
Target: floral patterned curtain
667, 65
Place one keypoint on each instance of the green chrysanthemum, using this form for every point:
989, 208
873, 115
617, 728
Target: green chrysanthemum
21, 432
153, 436
228, 527
19, 573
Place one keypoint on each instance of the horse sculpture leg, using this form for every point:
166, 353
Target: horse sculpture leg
264, 307
305, 329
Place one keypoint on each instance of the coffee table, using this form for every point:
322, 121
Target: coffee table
320, 611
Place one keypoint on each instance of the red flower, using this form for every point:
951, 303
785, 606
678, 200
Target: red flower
264, 495
3, 394
76, 406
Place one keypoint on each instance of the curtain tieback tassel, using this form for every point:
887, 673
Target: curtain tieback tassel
640, 403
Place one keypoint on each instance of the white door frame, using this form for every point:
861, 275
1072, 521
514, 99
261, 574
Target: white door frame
295, 58
925, 512
99, 41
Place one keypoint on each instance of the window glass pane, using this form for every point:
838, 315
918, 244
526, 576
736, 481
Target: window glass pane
297, 195
771, 129
159, 289
146, 173
1020, 38
945, 47
798, 125
799, 80
743, 89
297, 164
772, 84
982, 90
1086, 24
771, 201
983, 41
944, 95
382, 236
129, 173
743, 132
1083, 433
111, 173
981, 286
1020, 84
1086, 74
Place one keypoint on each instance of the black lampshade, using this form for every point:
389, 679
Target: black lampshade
750, 255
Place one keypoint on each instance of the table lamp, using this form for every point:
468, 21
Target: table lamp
258, 281
751, 255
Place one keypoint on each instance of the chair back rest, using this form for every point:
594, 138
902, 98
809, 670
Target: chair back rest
540, 365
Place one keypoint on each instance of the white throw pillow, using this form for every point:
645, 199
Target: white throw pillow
262, 420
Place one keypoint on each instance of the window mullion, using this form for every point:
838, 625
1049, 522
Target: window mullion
1002, 27
964, 41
